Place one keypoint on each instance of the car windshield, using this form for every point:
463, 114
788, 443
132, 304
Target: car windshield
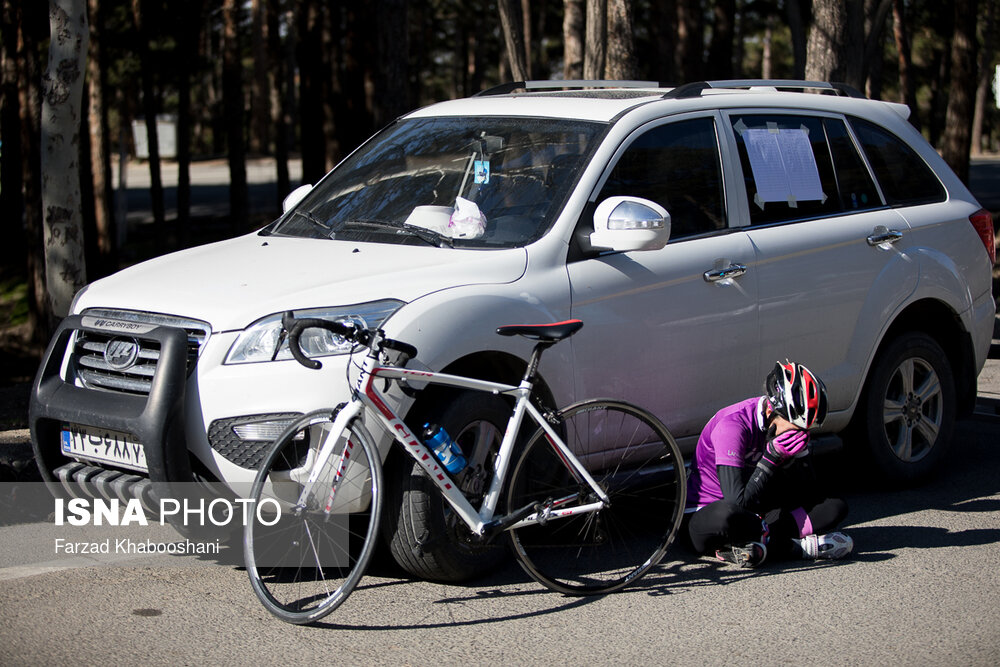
456, 181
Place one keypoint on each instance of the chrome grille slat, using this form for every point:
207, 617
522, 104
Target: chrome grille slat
89, 367
107, 381
98, 363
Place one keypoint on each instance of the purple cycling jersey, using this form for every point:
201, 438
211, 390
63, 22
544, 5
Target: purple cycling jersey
733, 437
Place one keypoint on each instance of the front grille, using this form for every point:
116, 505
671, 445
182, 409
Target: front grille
91, 361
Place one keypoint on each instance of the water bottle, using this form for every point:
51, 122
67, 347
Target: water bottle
446, 449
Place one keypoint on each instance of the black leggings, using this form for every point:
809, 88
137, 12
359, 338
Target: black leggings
722, 522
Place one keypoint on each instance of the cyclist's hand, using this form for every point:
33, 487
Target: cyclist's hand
781, 449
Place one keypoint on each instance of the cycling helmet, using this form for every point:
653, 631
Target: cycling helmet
796, 394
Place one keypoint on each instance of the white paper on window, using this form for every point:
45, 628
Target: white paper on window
783, 165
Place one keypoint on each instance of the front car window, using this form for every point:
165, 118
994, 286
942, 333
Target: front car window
475, 182
677, 165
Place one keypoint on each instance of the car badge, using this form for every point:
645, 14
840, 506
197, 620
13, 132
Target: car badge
121, 353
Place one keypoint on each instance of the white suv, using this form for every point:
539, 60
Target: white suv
700, 232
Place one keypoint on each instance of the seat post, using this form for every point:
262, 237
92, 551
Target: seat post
531, 372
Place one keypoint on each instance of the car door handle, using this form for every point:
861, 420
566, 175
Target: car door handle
731, 271
884, 237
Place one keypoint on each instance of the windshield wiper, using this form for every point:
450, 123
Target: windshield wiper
327, 232
428, 236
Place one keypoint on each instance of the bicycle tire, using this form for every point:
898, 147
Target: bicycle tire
305, 565
636, 462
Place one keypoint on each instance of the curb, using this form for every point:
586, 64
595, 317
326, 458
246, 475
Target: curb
17, 460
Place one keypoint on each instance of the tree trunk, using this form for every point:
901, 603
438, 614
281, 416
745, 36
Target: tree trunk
573, 23
33, 31
663, 21
526, 28
310, 60
958, 120
232, 102
187, 50
62, 85
797, 27
260, 90
986, 74
620, 61
907, 86
720, 52
853, 52
825, 48
690, 40
100, 153
149, 109
352, 120
766, 59
392, 74
284, 60
877, 15
595, 49
511, 20
12, 252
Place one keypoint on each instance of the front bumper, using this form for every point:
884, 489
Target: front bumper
156, 420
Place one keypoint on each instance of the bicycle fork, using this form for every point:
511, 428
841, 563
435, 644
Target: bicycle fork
339, 427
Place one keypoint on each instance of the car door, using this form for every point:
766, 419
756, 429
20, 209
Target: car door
831, 260
673, 329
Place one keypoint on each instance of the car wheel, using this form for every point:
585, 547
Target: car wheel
425, 537
910, 409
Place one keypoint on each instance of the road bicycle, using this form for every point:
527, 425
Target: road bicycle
594, 499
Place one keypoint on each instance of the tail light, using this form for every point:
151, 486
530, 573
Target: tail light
983, 222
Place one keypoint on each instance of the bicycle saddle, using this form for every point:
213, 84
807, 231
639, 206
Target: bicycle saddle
544, 332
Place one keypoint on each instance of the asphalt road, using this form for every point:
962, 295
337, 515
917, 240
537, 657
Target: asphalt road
921, 589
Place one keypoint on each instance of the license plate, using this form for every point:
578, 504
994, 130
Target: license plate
104, 446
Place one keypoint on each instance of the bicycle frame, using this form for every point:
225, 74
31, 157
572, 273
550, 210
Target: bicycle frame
480, 522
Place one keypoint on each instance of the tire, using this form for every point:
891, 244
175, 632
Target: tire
426, 538
306, 564
637, 463
910, 410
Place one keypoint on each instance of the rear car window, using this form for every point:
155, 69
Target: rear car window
905, 178
797, 167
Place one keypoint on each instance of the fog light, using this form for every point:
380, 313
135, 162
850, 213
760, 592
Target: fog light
261, 431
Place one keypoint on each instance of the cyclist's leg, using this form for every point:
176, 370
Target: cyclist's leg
303, 563
638, 465
721, 524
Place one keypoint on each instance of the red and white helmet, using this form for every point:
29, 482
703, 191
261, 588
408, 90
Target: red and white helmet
796, 394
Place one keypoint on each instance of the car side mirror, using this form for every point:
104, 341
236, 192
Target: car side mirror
624, 224
295, 196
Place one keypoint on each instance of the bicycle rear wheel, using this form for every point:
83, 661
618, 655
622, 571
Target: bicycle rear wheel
636, 462
304, 563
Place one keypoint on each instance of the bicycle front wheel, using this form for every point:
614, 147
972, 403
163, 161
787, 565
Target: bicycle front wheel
305, 555
636, 462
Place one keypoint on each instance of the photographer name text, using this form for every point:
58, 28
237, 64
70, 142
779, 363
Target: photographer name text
129, 546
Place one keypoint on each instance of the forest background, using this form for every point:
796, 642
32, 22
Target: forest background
310, 79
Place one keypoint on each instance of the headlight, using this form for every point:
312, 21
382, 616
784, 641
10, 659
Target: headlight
262, 340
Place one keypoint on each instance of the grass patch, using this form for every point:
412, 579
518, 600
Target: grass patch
13, 301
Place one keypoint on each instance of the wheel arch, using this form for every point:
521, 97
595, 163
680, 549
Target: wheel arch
492, 365
939, 321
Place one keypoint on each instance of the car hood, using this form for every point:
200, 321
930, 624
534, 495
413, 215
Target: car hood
233, 283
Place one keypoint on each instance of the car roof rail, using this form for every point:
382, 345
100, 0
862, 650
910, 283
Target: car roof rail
565, 84
696, 88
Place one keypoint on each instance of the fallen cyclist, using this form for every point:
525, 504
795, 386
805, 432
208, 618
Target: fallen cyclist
752, 492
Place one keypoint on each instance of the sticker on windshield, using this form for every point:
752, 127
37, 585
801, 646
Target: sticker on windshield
482, 171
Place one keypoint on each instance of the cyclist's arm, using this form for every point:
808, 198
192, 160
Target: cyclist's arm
741, 486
